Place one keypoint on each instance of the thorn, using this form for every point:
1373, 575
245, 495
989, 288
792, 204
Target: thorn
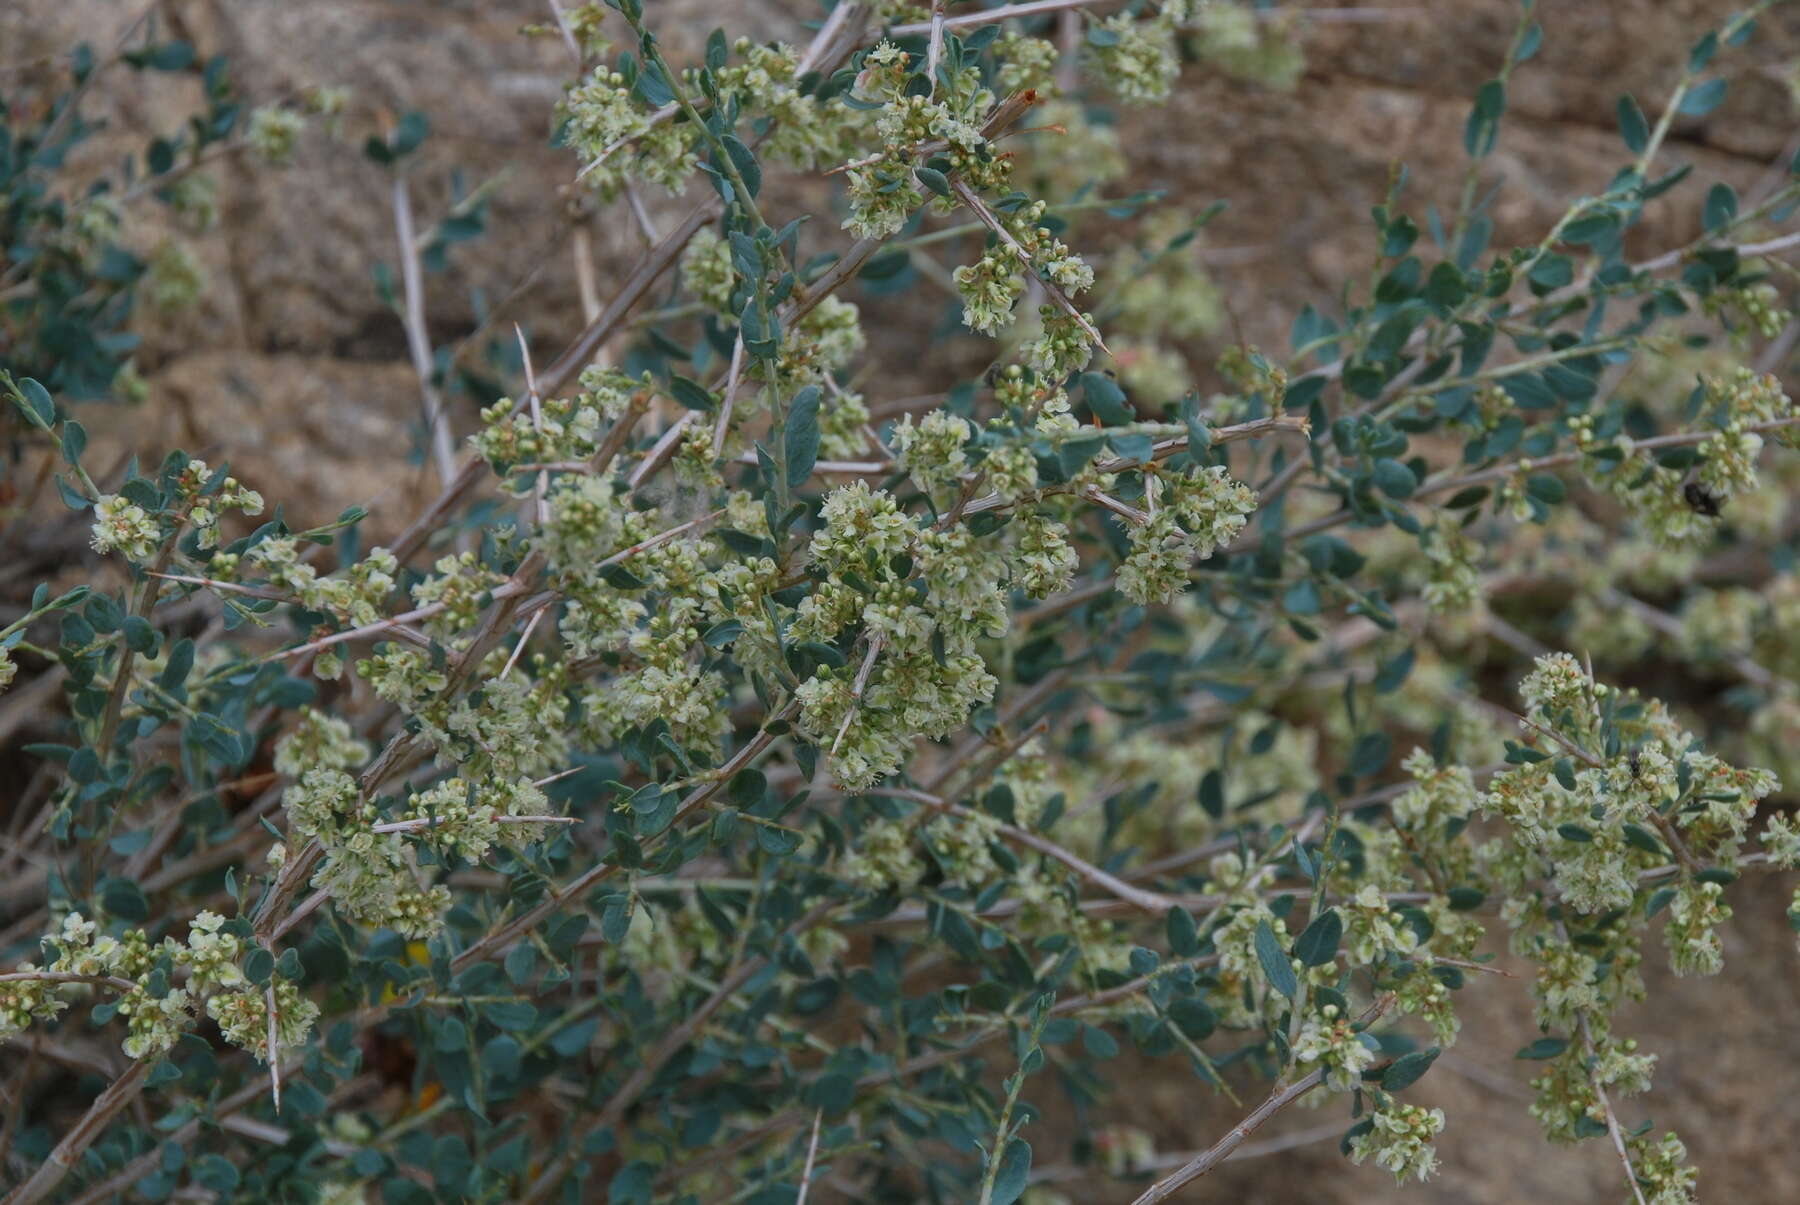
274, 1050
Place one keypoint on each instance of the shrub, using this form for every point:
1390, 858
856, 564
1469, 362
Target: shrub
764, 792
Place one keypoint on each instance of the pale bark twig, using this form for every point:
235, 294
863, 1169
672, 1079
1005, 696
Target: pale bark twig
1283, 1096
418, 344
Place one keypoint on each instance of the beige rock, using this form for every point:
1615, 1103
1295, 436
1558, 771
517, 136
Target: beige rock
314, 433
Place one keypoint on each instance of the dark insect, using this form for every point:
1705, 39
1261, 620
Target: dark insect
1637, 764
1701, 500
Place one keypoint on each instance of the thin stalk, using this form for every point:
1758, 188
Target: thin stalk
418, 345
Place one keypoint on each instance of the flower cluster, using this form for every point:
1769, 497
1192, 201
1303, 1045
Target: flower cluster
925, 674
1662, 1169
1399, 1138
883, 189
1692, 932
600, 114
354, 597
175, 278
367, 873
1331, 1043
991, 287
932, 450
274, 131
1135, 59
124, 527
1025, 62
1677, 506
1201, 510
209, 496
143, 975
562, 429
1757, 306
318, 740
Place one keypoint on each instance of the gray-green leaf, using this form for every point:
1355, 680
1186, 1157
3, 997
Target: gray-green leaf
1319, 942
802, 435
1406, 1070
1275, 962
1015, 1170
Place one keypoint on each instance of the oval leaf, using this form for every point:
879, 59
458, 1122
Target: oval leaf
1318, 944
1275, 961
802, 435
1406, 1071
